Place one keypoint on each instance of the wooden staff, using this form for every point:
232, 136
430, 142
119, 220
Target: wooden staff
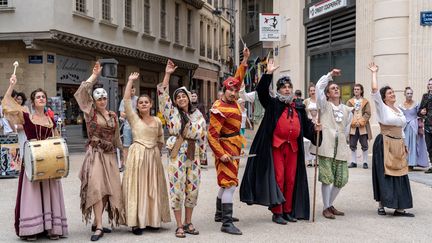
316, 167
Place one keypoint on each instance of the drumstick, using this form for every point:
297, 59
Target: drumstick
15, 64
244, 44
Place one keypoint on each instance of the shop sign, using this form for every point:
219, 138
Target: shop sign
72, 70
325, 6
269, 27
35, 59
426, 18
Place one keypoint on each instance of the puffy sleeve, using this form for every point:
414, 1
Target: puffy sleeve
240, 73
12, 111
249, 97
170, 113
131, 115
84, 98
379, 105
202, 140
320, 90
217, 121
160, 138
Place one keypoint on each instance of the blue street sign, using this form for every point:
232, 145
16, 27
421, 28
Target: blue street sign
426, 18
35, 59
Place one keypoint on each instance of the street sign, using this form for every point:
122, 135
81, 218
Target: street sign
269, 27
35, 59
426, 18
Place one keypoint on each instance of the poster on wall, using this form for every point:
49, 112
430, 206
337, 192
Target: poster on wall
72, 70
269, 27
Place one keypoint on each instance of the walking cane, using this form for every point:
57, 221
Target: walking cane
316, 168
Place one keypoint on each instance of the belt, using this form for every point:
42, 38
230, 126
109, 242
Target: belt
230, 135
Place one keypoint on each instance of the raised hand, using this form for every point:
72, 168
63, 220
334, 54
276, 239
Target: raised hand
336, 72
246, 53
97, 69
373, 67
271, 67
133, 76
12, 80
170, 67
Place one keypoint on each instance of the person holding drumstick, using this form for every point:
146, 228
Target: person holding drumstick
39, 205
99, 175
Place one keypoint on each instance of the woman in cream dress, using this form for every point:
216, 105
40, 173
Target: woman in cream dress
144, 187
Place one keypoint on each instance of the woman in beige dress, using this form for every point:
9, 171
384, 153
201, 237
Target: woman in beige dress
99, 175
144, 186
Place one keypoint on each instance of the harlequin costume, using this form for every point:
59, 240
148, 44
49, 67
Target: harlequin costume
224, 138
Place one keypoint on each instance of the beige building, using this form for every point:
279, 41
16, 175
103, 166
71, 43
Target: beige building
216, 48
57, 42
348, 34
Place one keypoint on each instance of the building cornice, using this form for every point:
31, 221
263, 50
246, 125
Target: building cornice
103, 47
196, 3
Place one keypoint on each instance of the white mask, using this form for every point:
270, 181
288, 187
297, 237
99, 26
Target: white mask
99, 93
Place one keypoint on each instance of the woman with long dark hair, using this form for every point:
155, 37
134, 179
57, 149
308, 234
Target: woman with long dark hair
187, 129
39, 205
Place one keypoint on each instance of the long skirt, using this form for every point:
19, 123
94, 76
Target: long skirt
40, 207
417, 155
144, 188
391, 191
100, 181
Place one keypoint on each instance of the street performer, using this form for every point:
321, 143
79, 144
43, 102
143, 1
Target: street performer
333, 153
276, 177
225, 140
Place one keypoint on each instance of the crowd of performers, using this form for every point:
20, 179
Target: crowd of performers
276, 177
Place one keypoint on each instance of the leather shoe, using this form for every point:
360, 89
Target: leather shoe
137, 231
105, 230
288, 217
429, 171
328, 214
278, 219
403, 214
352, 165
97, 237
365, 166
336, 212
381, 211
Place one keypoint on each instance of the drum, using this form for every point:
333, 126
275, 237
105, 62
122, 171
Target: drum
46, 159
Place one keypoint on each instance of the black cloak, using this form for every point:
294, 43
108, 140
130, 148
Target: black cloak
259, 184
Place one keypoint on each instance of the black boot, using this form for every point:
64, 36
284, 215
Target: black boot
227, 220
218, 214
278, 219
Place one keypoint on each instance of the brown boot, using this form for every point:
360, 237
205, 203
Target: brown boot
336, 212
328, 214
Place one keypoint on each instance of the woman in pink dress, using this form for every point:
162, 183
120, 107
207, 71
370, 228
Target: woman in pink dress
39, 205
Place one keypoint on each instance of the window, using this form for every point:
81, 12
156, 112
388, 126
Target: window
209, 2
128, 13
216, 4
216, 47
147, 16
177, 23
209, 45
80, 6
3, 3
189, 28
202, 43
228, 45
162, 19
106, 10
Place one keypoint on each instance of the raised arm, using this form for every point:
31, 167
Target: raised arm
321, 86
264, 83
165, 103
241, 70
374, 69
83, 95
11, 109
